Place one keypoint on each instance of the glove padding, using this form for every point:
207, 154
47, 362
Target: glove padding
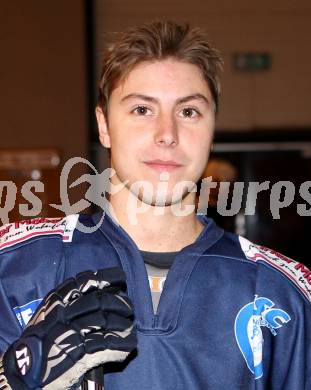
85, 322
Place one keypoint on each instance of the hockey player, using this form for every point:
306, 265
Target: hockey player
212, 310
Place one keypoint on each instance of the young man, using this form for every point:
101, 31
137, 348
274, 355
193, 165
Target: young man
230, 315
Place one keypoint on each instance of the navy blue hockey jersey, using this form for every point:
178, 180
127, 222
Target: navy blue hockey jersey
232, 315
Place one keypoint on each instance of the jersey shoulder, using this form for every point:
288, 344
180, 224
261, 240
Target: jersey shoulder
294, 271
17, 234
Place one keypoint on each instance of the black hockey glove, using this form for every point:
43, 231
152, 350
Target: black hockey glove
85, 322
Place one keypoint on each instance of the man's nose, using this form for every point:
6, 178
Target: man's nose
166, 133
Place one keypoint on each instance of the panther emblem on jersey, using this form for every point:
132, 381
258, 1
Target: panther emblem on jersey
248, 330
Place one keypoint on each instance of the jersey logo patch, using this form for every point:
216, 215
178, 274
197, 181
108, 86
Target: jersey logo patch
297, 272
248, 330
17, 232
25, 312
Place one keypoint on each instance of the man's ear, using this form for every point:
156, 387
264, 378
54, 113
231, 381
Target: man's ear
102, 128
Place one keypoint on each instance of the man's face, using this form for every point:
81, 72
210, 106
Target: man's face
161, 123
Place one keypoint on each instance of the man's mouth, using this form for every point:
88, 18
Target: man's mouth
163, 165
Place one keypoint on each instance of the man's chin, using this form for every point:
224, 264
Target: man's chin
164, 201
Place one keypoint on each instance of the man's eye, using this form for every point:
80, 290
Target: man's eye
141, 110
190, 112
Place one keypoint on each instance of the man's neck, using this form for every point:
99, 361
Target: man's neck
157, 229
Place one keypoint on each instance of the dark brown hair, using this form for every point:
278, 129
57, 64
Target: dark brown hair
157, 41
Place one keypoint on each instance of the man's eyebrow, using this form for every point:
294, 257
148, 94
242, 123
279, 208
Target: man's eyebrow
186, 99
196, 96
139, 96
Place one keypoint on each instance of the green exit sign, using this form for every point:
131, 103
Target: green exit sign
252, 61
